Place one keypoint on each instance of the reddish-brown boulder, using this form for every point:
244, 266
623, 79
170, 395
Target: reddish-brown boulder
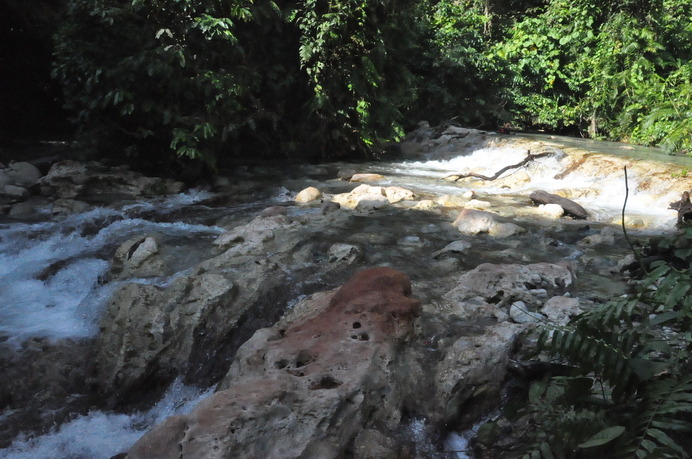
306, 386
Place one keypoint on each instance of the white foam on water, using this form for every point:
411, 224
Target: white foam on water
417, 430
457, 445
50, 272
485, 161
602, 196
100, 435
33, 307
172, 202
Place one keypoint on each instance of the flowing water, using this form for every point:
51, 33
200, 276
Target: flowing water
100, 434
52, 272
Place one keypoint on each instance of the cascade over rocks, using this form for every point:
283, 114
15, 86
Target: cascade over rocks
337, 372
194, 324
342, 368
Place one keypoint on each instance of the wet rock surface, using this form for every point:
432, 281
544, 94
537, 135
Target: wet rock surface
96, 182
315, 380
44, 384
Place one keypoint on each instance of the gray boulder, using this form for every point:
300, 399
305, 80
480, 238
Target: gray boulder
137, 257
93, 182
571, 208
23, 174
503, 284
472, 222
148, 330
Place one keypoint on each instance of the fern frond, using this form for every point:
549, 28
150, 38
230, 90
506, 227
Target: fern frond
666, 404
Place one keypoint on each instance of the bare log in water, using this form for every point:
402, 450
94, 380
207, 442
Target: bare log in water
529, 157
570, 207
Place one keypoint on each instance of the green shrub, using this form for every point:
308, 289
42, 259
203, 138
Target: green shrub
629, 393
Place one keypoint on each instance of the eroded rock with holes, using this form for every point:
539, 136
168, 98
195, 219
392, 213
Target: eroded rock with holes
304, 387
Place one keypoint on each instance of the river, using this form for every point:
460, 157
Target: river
53, 272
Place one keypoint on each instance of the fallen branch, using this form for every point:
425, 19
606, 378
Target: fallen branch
524, 162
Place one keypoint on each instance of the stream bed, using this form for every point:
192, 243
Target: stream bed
55, 280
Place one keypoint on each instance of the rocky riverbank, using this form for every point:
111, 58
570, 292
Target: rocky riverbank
365, 297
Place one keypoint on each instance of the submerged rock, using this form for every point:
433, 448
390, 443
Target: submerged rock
65, 207
472, 222
345, 253
366, 177
252, 235
309, 194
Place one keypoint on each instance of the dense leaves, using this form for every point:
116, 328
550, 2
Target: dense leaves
189, 76
615, 70
215, 81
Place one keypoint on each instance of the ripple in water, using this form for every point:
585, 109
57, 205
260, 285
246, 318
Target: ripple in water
100, 435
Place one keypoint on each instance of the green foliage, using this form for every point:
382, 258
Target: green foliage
670, 121
209, 80
630, 391
613, 69
459, 77
146, 75
354, 54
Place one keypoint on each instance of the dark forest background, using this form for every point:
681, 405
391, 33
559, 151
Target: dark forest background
156, 83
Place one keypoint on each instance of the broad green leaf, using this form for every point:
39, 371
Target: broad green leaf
603, 437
